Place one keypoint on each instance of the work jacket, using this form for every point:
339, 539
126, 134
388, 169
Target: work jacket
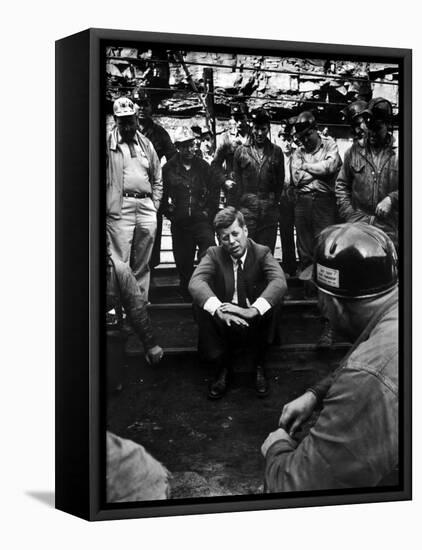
160, 139
114, 172
355, 440
361, 186
259, 183
222, 163
189, 195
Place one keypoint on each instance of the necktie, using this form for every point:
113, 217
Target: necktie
241, 286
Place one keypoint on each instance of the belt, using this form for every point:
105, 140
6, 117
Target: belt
313, 194
138, 195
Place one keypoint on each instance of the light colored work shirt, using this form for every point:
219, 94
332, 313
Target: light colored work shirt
135, 168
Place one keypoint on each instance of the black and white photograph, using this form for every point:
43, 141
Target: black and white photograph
254, 246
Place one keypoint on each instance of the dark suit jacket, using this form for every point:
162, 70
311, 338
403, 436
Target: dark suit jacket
214, 276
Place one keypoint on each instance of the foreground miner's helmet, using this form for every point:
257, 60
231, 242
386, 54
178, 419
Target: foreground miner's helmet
354, 261
354, 110
380, 110
260, 116
304, 122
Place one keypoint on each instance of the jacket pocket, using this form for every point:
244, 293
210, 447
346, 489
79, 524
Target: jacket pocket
357, 166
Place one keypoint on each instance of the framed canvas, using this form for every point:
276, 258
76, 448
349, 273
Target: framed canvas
160, 138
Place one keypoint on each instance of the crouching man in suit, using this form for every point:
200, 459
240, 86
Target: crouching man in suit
236, 289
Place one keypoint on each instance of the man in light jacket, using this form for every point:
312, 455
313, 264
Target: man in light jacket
134, 192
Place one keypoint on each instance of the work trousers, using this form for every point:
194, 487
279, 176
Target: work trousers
313, 213
286, 224
187, 235
132, 237
217, 340
156, 249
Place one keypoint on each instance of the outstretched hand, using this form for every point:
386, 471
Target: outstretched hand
295, 413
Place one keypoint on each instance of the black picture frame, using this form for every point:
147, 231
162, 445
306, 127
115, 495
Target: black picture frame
80, 285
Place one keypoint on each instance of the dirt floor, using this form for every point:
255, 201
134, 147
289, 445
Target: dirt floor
212, 448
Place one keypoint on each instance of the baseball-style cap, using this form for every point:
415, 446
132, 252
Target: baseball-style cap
183, 134
124, 107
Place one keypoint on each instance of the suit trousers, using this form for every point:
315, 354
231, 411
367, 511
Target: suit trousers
217, 340
132, 237
187, 236
313, 213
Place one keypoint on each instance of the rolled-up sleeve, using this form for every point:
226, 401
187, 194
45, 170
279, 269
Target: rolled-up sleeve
331, 163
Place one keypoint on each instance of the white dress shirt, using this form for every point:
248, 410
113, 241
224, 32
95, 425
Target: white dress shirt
213, 303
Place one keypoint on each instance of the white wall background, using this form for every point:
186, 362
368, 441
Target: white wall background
27, 247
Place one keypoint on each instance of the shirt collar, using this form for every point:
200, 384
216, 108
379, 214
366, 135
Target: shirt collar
321, 144
120, 140
243, 258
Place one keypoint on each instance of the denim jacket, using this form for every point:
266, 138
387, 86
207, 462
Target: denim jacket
354, 442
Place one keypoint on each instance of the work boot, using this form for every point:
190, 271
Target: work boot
218, 386
326, 339
261, 382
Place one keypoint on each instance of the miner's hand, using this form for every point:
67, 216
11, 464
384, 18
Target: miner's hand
384, 207
295, 413
229, 184
154, 355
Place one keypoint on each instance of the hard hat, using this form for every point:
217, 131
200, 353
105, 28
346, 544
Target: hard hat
141, 96
260, 116
123, 106
380, 109
182, 134
355, 261
304, 122
353, 110
238, 109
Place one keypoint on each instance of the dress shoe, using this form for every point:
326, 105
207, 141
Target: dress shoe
261, 382
218, 387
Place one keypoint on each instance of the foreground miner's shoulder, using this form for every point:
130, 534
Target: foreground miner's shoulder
354, 442
132, 473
